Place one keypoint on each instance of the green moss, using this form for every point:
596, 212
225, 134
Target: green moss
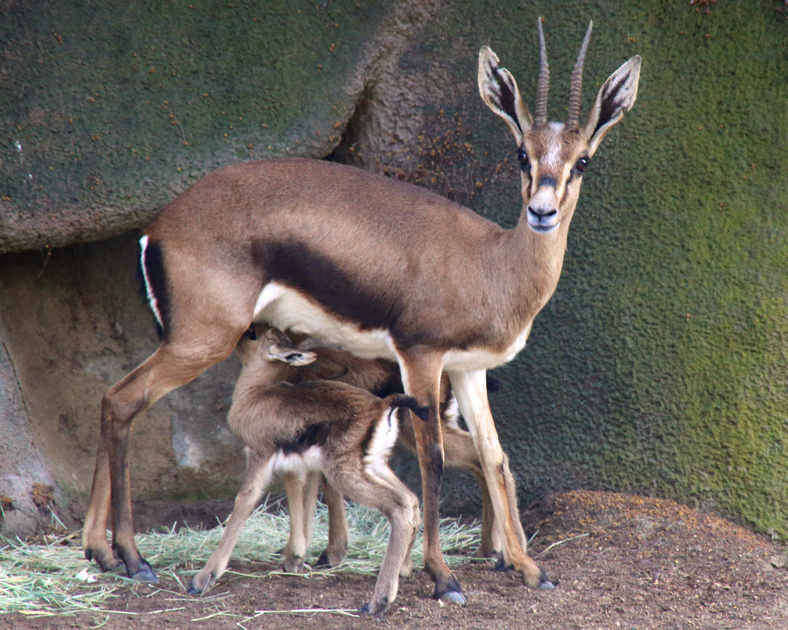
110, 103
660, 364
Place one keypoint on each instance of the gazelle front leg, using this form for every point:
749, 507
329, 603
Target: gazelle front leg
470, 388
421, 378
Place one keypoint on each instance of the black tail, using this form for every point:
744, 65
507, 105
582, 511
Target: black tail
403, 400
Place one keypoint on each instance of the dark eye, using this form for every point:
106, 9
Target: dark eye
525, 163
581, 164
251, 334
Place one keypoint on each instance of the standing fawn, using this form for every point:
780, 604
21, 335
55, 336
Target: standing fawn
380, 377
384, 269
341, 431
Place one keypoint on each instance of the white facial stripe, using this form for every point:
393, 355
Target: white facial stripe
152, 301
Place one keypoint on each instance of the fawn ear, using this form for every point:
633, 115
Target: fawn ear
499, 90
291, 355
327, 369
615, 98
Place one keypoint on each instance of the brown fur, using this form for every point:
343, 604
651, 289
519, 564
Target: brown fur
450, 290
278, 419
380, 377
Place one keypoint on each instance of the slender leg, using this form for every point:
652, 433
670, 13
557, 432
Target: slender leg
255, 482
470, 388
385, 492
295, 549
167, 369
421, 378
94, 533
336, 550
460, 452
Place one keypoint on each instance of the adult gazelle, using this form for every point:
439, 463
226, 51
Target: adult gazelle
376, 266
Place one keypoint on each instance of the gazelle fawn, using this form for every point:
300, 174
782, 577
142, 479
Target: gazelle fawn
380, 377
332, 428
380, 267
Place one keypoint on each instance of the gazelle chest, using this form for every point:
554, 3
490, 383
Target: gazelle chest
485, 358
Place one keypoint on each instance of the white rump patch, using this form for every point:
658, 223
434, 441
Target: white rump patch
383, 440
288, 309
310, 459
152, 301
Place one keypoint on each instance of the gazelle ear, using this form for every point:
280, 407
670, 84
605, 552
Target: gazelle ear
615, 98
499, 90
291, 355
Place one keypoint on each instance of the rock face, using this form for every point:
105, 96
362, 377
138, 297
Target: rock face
659, 365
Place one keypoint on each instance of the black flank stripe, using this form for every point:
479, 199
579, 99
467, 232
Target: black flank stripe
296, 265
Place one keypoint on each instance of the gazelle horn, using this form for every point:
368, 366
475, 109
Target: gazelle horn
540, 112
576, 84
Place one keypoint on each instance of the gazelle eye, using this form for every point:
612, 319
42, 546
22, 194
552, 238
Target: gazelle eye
581, 164
525, 163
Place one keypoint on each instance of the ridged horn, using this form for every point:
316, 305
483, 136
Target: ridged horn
540, 111
576, 84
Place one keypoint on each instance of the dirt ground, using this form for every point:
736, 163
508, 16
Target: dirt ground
620, 561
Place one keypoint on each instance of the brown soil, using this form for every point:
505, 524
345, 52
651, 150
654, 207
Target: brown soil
635, 563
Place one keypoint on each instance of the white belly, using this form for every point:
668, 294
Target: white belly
287, 309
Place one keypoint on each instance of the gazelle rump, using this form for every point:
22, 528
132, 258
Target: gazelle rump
380, 267
311, 427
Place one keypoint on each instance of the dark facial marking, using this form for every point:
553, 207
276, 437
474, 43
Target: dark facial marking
547, 181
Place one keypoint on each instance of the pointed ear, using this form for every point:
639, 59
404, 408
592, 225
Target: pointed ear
290, 355
327, 369
499, 90
615, 98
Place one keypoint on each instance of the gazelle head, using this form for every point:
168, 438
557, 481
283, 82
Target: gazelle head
553, 156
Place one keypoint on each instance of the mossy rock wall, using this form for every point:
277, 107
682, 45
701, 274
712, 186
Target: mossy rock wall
660, 364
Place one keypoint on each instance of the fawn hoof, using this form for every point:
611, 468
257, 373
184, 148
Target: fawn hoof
144, 573
106, 562
200, 583
374, 609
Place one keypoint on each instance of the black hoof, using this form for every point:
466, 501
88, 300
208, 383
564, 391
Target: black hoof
324, 563
450, 592
145, 573
502, 567
544, 581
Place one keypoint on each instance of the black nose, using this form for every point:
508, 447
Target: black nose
542, 213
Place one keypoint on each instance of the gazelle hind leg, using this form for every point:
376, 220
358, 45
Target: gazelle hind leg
335, 552
255, 481
470, 388
385, 492
170, 367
